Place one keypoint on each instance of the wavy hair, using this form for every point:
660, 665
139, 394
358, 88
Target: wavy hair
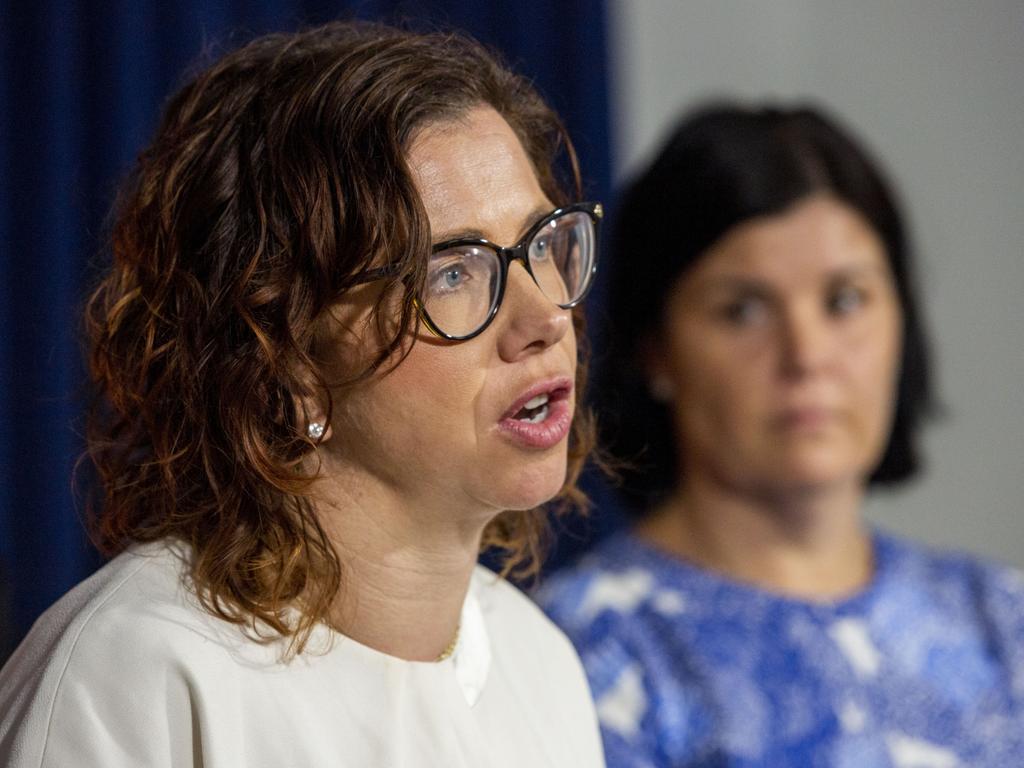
275, 177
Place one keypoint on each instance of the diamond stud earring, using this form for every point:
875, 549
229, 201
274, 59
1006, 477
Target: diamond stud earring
315, 430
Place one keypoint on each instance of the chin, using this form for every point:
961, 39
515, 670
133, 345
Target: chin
815, 475
821, 455
531, 486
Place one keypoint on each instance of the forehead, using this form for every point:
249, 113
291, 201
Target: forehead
820, 235
472, 173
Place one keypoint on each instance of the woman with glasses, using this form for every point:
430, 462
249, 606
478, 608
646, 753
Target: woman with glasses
767, 366
335, 356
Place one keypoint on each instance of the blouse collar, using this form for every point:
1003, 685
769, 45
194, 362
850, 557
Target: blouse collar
472, 655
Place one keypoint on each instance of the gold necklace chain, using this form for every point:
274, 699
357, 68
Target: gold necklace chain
450, 648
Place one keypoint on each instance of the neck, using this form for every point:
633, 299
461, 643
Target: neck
810, 544
405, 568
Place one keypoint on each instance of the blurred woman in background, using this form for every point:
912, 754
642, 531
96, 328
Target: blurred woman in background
767, 366
337, 355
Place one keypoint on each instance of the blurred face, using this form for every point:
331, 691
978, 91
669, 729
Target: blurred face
482, 423
781, 347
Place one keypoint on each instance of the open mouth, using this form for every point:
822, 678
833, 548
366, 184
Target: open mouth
539, 405
535, 410
542, 417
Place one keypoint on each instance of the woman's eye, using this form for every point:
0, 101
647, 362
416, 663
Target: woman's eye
453, 277
540, 249
745, 311
845, 300
449, 277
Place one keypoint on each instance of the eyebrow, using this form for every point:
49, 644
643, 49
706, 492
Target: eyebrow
529, 220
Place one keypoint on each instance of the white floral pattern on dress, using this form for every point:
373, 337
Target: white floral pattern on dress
622, 706
923, 669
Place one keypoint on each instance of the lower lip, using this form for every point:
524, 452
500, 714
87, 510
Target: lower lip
543, 434
806, 421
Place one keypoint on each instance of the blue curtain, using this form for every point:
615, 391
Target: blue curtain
81, 86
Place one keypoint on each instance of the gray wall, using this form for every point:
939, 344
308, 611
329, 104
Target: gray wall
936, 89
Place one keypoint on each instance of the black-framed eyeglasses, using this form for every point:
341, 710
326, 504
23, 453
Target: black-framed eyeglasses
466, 278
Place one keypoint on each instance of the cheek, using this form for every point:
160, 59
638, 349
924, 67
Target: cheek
873, 361
436, 383
420, 412
720, 383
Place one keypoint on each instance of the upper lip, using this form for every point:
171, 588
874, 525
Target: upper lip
545, 386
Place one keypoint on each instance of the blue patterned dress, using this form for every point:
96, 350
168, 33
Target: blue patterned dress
923, 669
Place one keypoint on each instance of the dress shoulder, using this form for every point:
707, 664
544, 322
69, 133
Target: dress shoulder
608, 604
607, 588
966, 593
105, 671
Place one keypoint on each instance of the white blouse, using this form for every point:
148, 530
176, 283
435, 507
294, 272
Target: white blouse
127, 670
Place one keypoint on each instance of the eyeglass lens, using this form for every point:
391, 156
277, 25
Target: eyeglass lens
463, 282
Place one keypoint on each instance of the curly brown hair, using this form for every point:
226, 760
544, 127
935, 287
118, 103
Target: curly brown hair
276, 176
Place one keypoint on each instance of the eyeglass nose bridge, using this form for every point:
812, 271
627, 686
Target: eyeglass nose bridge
519, 252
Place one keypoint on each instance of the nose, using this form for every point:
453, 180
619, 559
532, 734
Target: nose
807, 341
529, 321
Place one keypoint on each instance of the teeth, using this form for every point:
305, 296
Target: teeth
535, 410
536, 402
538, 417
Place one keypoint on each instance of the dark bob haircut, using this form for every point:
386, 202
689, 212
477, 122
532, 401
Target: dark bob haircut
723, 165
277, 175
